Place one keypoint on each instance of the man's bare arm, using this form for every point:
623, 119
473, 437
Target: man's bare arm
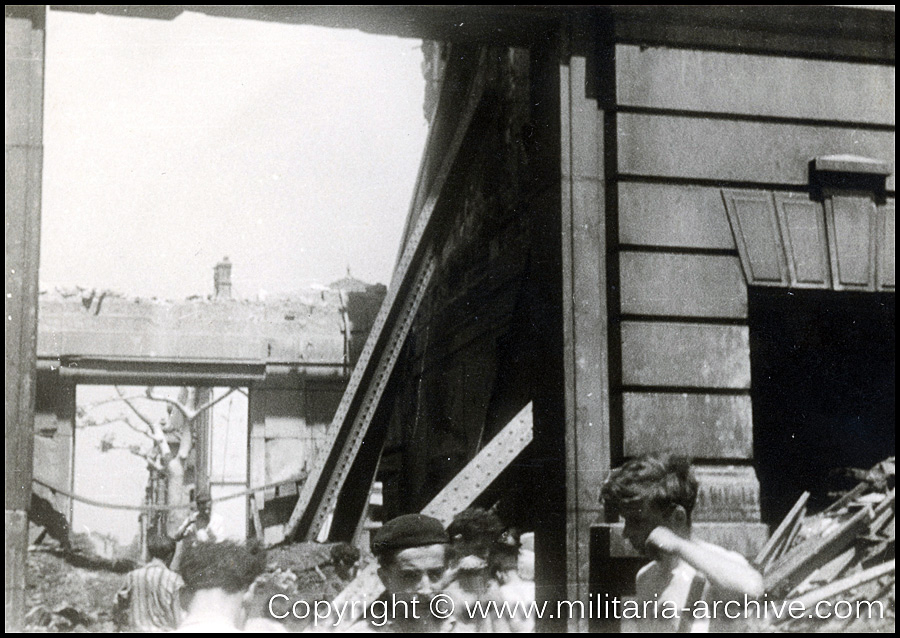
722, 570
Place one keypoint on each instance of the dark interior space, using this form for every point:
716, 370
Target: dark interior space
822, 366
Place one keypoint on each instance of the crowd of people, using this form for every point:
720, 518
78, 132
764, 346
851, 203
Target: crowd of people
475, 561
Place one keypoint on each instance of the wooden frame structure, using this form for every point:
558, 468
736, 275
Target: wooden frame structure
599, 233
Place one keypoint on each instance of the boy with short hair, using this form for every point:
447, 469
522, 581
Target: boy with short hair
217, 578
655, 494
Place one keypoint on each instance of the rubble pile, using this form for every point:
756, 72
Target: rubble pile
304, 572
61, 597
844, 553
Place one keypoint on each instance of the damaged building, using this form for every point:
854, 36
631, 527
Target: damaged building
635, 228
293, 354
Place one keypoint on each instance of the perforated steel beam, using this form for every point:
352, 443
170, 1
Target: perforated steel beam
375, 365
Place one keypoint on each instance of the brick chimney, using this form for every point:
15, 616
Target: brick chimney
222, 279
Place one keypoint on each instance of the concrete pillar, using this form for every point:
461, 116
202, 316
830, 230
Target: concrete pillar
24, 64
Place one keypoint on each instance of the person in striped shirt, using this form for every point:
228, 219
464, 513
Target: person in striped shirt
149, 600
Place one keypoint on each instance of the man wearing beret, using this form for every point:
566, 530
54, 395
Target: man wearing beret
412, 557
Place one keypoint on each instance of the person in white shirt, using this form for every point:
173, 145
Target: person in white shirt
203, 524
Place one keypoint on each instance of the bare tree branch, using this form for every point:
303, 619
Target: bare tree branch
130, 404
155, 429
108, 444
210, 404
90, 406
88, 422
189, 413
178, 405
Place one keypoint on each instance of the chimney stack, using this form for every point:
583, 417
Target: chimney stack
222, 279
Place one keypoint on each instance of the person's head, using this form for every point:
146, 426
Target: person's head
345, 558
228, 567
656, 490
474, 532
412, 555
204, 503
504, 554
161, 547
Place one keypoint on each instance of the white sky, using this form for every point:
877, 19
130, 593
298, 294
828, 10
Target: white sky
170, 144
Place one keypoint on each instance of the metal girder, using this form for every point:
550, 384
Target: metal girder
386, 338
456, 496
481, 471
372, 396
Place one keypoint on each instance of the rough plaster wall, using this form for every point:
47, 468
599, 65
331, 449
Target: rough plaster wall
306, 327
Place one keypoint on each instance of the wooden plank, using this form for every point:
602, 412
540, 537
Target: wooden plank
18, 433
585, 317
258, 528
814, 553
16, 524
256, 472
807, 601
802, 223
23, 153
826, 573
851, 235
808, 31
717, 82
886, 247
665, 284
694, 425
742, 151
888, 503
831, 33
685, 355
785, 546
847, 498
673, 215
754, 223
783, 529
24, 76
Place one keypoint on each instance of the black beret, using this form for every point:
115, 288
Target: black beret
409, 530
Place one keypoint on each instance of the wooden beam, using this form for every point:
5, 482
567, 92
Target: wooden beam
809, 600
827, 32
814, 553
472, 24
782, 530
385, 340
585, 227
24, 82
824, 32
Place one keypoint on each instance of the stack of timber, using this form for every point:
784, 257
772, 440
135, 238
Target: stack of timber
844, 553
